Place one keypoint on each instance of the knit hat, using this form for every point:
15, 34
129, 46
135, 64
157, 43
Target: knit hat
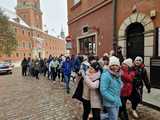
138, 58
106, 54
128, 62
114, 61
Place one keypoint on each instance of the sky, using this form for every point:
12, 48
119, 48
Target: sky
54, 14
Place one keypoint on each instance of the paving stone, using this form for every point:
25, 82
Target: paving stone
25, 98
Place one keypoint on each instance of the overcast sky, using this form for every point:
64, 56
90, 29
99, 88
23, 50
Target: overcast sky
54, 14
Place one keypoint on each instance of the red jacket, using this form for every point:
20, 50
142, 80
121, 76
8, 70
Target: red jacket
127, 78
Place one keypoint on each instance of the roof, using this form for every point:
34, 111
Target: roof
13, 17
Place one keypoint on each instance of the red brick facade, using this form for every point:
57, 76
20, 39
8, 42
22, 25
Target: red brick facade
97, 16
125, 8
147, 14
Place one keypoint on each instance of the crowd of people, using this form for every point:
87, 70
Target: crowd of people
104, 85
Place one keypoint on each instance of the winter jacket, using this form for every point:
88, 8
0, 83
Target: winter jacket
127, 79
53, 64
83, 68
67, 67
140, 78
91, 91
110, 87
76, 65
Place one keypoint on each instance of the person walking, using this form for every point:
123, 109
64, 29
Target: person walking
36, 68
53, 68
91, 85
67, 68
140, 78
127, 76
24, 65
110, 87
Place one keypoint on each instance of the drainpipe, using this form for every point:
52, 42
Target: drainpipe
114, 36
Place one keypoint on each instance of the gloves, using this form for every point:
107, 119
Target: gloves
149, 90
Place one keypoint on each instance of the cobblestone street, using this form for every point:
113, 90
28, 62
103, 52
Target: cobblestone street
31, 99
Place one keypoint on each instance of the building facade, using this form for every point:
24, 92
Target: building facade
90, 26
32, 40
136, 24
137, 33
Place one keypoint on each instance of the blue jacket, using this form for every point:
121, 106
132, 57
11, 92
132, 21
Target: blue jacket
110, 88
67, 67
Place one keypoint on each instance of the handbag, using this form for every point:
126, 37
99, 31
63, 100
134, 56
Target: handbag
79, 91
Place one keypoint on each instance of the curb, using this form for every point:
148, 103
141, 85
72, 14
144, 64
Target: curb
151, 105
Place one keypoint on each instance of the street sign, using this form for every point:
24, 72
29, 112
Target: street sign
68, 45
68, 42
68, 38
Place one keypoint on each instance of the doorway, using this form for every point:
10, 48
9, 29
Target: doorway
135, 40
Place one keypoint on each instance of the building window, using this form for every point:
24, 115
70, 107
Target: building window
30, 45
29, 33
17, 54
24, 3
87, 45
76, 1
23, 45
23, 32
85, 29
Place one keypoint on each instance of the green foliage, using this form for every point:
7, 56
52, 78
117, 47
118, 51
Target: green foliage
8, 42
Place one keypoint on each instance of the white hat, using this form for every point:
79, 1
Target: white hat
138, 58
114, 61
128, 62
106, 54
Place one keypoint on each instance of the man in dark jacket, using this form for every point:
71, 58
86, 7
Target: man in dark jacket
24, 66
67, 67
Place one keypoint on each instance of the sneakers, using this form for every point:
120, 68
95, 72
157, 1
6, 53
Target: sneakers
135, 114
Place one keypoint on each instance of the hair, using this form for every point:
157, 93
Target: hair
90, 58
106, 58
97, 67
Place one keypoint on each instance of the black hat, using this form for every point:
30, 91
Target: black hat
96, 66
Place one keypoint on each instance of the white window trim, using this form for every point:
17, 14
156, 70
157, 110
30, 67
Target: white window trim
76, 2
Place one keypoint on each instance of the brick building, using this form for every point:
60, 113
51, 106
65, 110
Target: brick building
138, 22
32, 40
90, 26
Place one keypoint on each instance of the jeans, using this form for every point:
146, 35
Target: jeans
66, 81
112, 113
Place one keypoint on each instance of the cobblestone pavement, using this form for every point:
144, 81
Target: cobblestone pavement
30, 99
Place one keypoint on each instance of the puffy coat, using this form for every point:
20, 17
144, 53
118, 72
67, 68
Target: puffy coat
67, 67
110, 87
127, 79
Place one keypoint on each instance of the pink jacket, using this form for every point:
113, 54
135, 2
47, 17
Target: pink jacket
91, 92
